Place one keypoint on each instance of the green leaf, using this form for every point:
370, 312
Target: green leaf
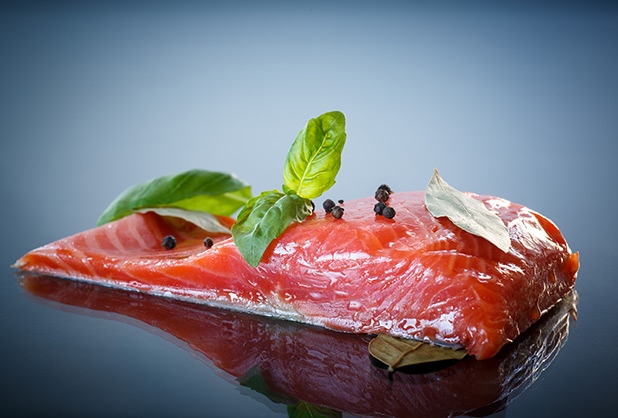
303, 409
399, 352
202, 190
310, 169
263, 219
204, 220
254, 379
315, 156
467, 213
286, 189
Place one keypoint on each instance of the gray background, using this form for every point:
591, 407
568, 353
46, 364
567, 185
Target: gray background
515, 100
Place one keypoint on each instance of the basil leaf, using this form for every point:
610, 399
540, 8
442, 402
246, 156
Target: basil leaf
254, 380
310, 169
467, 213
286, 189
302, 409
208, 191
315, 156
263, 219
204, 220
400, 352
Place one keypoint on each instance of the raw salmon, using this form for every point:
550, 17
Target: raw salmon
412, 276
319, 366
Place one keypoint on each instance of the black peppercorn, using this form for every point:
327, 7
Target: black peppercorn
312, 206
382, 195
340, 201
337, 212
328, 205
168, 242
385, 187
388, 212
379, 208
208, 242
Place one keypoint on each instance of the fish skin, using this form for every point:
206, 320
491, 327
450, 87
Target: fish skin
413, 276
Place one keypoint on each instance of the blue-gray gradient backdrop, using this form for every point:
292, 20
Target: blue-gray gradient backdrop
507, 98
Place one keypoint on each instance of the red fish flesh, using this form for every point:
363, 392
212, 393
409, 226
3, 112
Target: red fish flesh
413, 276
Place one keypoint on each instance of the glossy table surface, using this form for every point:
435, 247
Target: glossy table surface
516, 101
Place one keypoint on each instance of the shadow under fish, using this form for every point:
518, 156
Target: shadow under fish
317, 371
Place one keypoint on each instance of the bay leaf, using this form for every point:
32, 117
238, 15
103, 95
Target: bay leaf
467, 213
204, 220
399, 352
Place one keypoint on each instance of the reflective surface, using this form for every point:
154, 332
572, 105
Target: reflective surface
513, 100
294, 364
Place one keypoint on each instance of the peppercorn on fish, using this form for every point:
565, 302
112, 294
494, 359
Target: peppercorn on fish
413, 276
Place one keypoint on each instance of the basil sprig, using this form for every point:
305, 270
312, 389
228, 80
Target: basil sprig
254, 380
314, 158
310, 169
194, 190
263, 219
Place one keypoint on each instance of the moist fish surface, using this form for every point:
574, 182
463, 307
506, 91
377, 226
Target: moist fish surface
413, 276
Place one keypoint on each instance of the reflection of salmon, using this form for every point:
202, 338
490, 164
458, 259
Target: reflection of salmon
414, 276
320, 366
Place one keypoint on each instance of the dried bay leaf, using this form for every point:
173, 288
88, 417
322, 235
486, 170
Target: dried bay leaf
467, 213
399, 352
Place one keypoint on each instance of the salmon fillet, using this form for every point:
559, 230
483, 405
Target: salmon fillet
413, 276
